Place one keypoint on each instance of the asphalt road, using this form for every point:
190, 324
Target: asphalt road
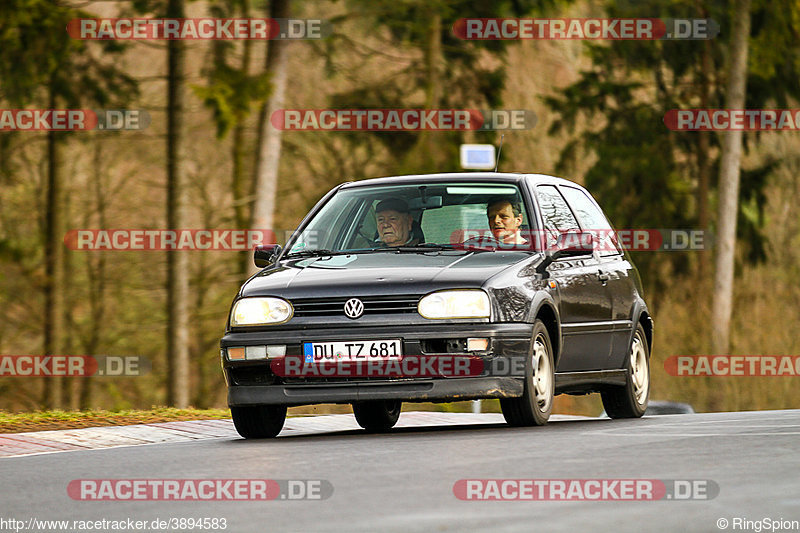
403, 481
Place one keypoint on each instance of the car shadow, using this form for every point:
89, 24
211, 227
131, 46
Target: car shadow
569, 424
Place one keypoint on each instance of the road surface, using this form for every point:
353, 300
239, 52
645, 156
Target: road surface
404, 480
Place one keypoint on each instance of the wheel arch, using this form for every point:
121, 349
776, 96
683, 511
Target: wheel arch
647, 324
546, 310
641, 315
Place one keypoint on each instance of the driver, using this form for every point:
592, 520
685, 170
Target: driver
394, 222
505, 219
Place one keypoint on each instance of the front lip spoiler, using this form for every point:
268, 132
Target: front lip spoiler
413, 391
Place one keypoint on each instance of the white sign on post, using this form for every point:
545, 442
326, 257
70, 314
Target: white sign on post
477, 156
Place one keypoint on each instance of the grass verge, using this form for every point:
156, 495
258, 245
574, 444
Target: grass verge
46, 420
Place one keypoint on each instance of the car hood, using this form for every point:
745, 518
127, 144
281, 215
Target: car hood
379, 274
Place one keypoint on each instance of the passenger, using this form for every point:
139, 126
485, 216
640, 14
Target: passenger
394, 222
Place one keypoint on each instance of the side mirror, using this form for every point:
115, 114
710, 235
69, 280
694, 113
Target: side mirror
265, 254
569, 244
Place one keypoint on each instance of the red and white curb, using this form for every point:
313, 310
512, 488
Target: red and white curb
68, 440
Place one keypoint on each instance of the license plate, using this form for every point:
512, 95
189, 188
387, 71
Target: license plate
384, 350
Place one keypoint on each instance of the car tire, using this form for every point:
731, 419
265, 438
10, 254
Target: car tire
533, 408
377, 416
630, 401
259, 421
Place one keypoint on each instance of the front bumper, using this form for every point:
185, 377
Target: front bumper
432, 390
254, 383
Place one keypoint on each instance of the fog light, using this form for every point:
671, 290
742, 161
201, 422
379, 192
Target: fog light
477, 345
235, 354
255, 352
278, 350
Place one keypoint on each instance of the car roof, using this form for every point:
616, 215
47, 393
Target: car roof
504, 177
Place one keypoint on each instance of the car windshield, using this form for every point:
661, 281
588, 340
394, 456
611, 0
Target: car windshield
418, 217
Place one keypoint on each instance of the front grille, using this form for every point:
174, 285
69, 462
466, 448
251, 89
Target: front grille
373, 305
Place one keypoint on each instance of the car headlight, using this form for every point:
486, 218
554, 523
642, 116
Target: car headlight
258, 311
455, 304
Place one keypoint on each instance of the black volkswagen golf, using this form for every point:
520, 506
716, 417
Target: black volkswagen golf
440, 288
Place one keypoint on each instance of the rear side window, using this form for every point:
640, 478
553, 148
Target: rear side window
555, 213
592, 219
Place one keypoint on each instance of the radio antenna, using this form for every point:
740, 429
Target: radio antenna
497, 162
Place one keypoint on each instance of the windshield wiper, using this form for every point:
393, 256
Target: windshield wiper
481, 248
325, 252
426, 247
313, 253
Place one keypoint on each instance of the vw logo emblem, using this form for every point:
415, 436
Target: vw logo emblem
353, 308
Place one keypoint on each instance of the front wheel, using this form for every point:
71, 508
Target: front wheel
630, 401
259, 421
377, 416
533, 408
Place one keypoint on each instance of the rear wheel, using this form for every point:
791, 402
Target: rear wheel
533, 408
377, 416
631, 400
259, 421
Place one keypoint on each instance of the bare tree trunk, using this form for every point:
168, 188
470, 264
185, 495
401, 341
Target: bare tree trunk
703, 158
54, 264
729, 183
177, 261
239, 186
434, 89
427, 156
268, 154
202, 392
69, 398
97, 280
